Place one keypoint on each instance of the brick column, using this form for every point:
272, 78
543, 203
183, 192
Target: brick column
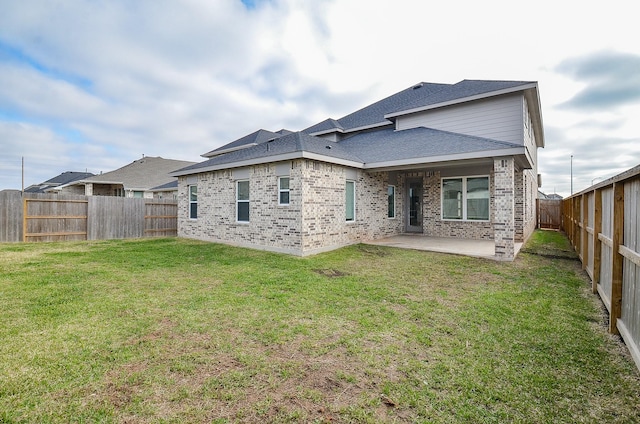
503, 215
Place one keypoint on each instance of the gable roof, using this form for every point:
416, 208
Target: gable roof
141, 174
373, 115
363, 147
252, 139
290, 146
368, 150
64, 178
412, 99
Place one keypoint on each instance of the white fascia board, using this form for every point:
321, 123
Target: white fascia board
102, 182
447, 158
538, 125
463, 99
269, 159
215, 153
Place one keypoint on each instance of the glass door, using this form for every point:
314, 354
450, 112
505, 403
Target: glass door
414, 207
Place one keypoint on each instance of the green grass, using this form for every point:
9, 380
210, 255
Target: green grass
173, 330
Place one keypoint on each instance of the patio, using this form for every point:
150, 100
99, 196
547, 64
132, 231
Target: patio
466, 247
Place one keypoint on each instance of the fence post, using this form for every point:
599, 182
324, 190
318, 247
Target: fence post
24, 218
584, 235
597, 244
616, 278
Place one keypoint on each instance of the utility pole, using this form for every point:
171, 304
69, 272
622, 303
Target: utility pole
572, 175
22, 190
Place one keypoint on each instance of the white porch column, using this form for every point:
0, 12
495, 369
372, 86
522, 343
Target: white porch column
504, 208
88, 189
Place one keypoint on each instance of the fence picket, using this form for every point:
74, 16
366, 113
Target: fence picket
612, 209
49, 217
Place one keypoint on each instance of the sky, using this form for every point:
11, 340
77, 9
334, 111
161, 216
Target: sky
92, 85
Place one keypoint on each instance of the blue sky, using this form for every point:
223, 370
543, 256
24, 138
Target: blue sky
93, 86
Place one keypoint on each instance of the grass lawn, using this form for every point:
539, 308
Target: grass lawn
173, 330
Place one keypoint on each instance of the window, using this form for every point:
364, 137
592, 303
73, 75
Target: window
391, 195
138, 194
350, 190
193, 202
465, 198
242, 201
283, 190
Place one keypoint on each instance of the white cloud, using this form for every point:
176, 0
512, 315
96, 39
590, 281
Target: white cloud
105, 82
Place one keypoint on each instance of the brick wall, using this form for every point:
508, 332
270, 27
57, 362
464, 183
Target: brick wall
504, 208
313, 221
433, 223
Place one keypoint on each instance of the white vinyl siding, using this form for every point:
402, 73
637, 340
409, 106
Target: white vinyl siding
500, 119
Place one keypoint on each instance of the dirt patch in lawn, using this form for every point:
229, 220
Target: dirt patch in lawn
288, 382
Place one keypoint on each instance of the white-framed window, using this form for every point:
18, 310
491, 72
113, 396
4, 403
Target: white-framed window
465, 198
391, 196
283, 191
242, 201
193, 201
350, 190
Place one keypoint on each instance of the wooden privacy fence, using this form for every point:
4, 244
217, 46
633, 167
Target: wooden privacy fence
50, 217
603, 226
549, 213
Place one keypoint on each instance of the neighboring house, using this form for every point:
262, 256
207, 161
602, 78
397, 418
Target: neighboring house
62, 179
449, 160
553, 196
138, 179
166, 191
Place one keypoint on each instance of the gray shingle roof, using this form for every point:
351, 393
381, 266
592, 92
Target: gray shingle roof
257, 137
386, 145
287, 144
372, 147
418, 95
64, 178
390, 145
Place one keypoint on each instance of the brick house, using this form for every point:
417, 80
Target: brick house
448, 160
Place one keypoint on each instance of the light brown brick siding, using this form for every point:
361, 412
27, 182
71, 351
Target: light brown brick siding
315, 221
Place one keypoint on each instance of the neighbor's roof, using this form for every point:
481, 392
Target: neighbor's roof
141, 174
369, 150
64, 178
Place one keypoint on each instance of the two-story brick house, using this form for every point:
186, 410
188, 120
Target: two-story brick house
449, 160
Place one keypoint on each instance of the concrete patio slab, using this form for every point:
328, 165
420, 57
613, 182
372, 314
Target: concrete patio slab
466, 247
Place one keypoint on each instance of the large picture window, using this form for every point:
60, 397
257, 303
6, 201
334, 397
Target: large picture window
465, 198
193, 202
350, 190
242, 201
283, 190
